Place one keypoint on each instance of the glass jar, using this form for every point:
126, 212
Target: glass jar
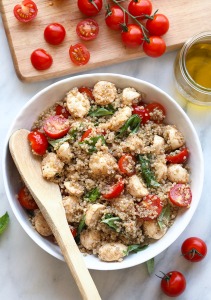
195, 59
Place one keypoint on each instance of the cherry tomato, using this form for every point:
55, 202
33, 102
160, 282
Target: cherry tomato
79, 54
26, 200
132, 36
140, 8
173, 283
178, 157
56, 127
26, 11
115, 190
159, 25
180, 195
156, 46
87, 91
41, 60
114, 17
61, 110
156, 111
194, 249
124, 162
87, 29
142, 112
90, 7
86, 134
151, 207
38, 142
73, 230
54, 33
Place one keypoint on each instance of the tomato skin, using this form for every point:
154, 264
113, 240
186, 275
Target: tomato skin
87, 29
86, 134
194, 249
173, 283
180, 195
151, 203
61, 110
41, 59
90, 7
159, 25
116, 190
79, 54
56, 127
38, 142
139, 8
87, 91
54, 33
154, 106
132, 36
115, 17
178, 158
26, 11
26, 200
122, 164
142, 112
73, 230
156, 46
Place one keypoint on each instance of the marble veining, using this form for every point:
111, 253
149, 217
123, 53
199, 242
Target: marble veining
28, 273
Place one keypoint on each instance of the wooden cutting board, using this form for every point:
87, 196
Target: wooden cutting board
187, 17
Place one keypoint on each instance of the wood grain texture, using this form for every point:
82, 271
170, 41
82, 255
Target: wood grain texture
186, 19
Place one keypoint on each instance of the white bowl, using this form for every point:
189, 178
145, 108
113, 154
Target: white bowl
175, 115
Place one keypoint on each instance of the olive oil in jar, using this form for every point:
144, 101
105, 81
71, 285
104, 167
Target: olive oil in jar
198, 63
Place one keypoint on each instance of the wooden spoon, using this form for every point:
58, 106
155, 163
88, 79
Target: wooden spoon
48, 197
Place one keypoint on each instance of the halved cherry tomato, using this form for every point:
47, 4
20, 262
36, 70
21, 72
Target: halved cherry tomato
26, 11
178, 157
86, 134
73, 231
38, 142
114, 17
61, 110
180, 195
87, 29
26, 200
142, 112
56, 127
151, 207
87, 91
115, 190
194, 249
41, 59
173, 284
90, 7
124, 163
132, 36
54, 33
156, 111
79, 54
140, 8
155, 47
159, 25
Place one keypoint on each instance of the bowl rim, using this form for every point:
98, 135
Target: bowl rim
41, 242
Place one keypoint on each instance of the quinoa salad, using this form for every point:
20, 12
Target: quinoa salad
122, 171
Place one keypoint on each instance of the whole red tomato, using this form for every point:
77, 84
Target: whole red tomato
41, 59
54, 33
173, 283
114, 17
38, 142
159, 25
90, 7
132, 36
194, 249
155, 47
140, 8
26, 11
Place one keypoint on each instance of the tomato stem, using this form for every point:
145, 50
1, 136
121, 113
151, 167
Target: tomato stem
192, 253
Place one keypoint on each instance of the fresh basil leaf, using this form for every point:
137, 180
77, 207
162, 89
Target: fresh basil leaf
132, 125
92, 195
164, 217
92, 142
135, 249
4, 220
111, 220
146, 172
102, 111
150, 265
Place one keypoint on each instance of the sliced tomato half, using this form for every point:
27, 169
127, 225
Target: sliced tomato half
115, 190
26, 11
124, 163
178, 157
180, 195
38, 142
26, 200
79, 54
150, 207
56, 127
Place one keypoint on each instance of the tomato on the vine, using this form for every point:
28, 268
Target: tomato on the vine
132, 36
41, 59
159, 25
194, 249
178, 157
140, 8
180, 195
155, 47
56, 127
87, 29
38, 142
142, 112
115, 190
54, 33
115, 17
79, 54
90, 7
26, 11
26, 200
173, 283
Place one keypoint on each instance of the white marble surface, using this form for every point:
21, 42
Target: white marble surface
28, 273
